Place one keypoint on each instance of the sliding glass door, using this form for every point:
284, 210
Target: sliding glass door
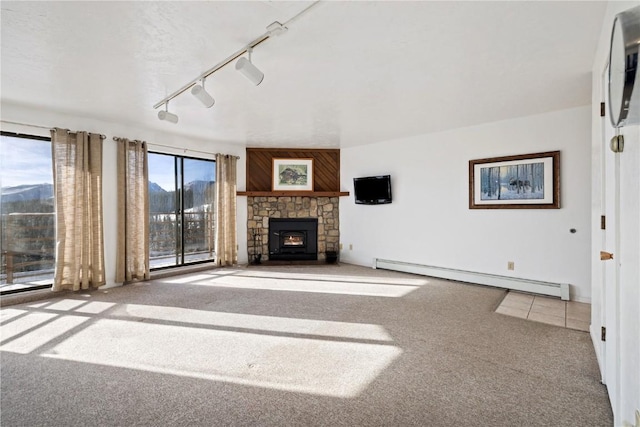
198, 195
181, 210
27, 226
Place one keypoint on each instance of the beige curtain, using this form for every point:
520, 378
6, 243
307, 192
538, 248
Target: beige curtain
226, 239
77, 181
133, 211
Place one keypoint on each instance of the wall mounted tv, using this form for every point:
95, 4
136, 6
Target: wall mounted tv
372, 190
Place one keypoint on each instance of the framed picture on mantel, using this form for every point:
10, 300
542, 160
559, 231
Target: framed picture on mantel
526, 181
292, 175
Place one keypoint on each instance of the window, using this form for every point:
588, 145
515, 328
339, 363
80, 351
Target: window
27, 227
181, 210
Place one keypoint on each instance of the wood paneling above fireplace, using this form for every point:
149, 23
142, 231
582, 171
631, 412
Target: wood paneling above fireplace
326, 171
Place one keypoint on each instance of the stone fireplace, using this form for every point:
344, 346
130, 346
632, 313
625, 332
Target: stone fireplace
322, 212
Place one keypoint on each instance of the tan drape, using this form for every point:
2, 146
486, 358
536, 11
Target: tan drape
133, 211
226, 234
77, 181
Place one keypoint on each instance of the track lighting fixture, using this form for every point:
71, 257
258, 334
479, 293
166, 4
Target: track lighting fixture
249, 70
203, 96
166, 115
244, 65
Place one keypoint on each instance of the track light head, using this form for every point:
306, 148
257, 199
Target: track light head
203, 96
249, 70
167, 116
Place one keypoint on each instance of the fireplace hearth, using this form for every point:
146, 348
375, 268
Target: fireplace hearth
293, 239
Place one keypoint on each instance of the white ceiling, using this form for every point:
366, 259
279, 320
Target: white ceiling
345, 74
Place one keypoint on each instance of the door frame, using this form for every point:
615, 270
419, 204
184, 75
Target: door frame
610, 242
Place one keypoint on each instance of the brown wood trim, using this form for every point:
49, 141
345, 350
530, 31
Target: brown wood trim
293, 193
326, 167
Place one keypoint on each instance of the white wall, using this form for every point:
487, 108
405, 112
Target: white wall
429, 221
629, 227
188, 146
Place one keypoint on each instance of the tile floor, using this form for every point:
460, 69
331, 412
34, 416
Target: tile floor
554, 311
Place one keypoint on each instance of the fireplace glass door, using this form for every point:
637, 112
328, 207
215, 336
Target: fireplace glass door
292, 239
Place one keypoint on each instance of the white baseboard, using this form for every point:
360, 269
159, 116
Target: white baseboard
515, 283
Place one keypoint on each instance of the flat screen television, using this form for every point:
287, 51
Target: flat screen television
372, 190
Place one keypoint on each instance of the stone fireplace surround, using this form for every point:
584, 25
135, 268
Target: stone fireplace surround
260, 209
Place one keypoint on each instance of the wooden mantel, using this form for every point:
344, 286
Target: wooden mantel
293, 193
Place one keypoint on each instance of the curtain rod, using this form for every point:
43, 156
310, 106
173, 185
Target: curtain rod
26, 124
115, 138
184, 150
94, 133
49, 128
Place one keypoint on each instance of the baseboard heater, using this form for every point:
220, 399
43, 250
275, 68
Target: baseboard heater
515, 283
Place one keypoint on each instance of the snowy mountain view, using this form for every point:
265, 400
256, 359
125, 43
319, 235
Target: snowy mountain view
198, 196
29, 198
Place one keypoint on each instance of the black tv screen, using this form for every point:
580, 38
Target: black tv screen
372, 190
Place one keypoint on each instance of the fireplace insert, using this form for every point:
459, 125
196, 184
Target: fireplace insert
293, 239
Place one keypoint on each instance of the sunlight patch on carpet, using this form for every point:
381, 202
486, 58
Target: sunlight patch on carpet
271, 324
308, 285
409, 281
188, 279
321, 367
9, 313
40, 333
22, 324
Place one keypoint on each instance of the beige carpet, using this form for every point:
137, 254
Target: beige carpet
293, 346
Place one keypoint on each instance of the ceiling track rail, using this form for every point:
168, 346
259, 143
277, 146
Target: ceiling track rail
255, 42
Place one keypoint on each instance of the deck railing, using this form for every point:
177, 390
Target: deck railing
28, 243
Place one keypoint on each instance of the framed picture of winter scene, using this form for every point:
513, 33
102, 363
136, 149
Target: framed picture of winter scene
526, 181
292, 174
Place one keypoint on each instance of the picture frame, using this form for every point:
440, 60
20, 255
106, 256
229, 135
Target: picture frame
295, 174
526, 181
